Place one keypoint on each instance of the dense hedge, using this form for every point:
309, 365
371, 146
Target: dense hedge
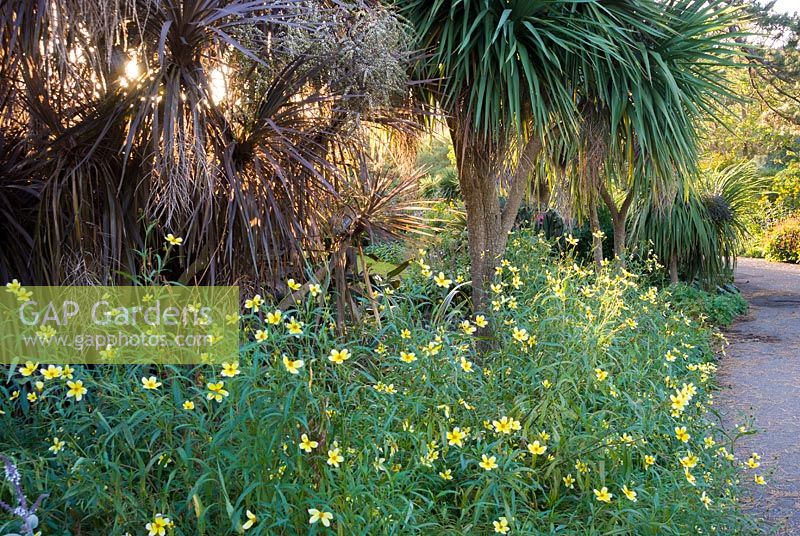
590, 416
783, 241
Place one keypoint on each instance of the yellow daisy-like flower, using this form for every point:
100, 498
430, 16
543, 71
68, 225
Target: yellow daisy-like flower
408, 357
706, 500
261, 335
442, 281
468, 328
254, 303
32, 397
293, 285
318, 515
293, 366
274, 317
481, 321
76, 390
569, 481
57, 446
335, 457
603, 494
537, 448
689, 461
229, 370
488, 462
466, 366
339, 356
501, 526
173, 240
52, 372
67, 372
520, 334
506, 425
251, 520
600, 374
758, 479
29, 368
447, 474
629, 493
188, 405
315, 290
649, 461
159, 526
456, 437
405, 334
295, 327
306, 444
14, 286
216, 391
681, 434
151, 383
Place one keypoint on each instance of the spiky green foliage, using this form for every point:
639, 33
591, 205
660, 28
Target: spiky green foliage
705, 226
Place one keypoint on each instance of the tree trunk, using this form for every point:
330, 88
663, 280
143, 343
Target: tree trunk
619, 216
479, 169
673, 269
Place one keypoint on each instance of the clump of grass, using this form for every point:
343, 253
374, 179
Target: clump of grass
590, 416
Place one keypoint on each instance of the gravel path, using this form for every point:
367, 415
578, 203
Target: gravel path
760, 377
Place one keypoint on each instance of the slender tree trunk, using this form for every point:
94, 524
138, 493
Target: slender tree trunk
479, 170
619, 216
673, 269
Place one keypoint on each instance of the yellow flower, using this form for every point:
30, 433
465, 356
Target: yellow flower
569, 481
706, 500
339, 356
758, 479
76, 389
468, 328
689, 461
648, 461
466, 366
405, 334
317, 515
274, 317
506, 425
571, 240
600, 374
314, 290
57, 446
501, 526
442, 281
29, 368
536, 448
293, 366
232, 319
173, 240
216, 391
295, 327
251, 520
488, 462
447, 474
39, 386
293, 285
306, 444
32, 397
335, 457
188, 405
629, 493
456, 437
151, 383
261, 335
547, 384
13, 287
520, 334
681, 434
481, 321
752, 463
159, 525
254, 303
603, 495
52, 372
408, 357
67, 372
229, 370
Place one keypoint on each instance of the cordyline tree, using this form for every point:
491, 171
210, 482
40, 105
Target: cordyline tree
236, 124
516, 77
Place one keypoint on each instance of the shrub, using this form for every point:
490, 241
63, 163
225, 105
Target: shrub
391, 252
719, 308
783, 241
595, 386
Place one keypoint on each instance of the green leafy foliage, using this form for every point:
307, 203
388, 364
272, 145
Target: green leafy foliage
718, 308
585, 365
783, 241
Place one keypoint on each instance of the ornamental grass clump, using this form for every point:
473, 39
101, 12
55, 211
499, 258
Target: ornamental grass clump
592, 414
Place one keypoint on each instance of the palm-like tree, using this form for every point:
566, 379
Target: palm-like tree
517, 76
237, 124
